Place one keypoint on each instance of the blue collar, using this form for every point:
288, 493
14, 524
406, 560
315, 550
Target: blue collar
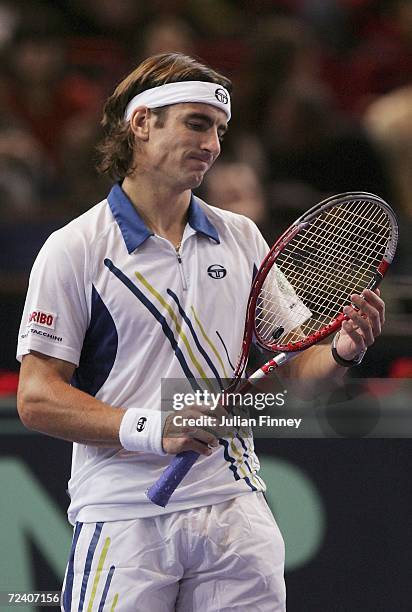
134, 229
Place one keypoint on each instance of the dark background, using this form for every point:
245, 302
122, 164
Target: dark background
322, 104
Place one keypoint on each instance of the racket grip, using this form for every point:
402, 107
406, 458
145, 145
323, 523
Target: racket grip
162, 490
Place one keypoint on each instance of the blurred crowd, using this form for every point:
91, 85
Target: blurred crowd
322, 104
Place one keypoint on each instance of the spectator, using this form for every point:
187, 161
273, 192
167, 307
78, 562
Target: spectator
120, 19
166, 34
236, 186
42, 95
104, 37
382, 59
308, 141
27, 181
389, 121
78, 176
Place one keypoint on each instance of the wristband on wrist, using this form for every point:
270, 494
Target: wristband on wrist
345, 363
141, 430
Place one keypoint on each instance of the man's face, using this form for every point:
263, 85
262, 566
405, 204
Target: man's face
181, 151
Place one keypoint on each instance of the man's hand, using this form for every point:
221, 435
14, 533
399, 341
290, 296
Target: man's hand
180, 434
363, 326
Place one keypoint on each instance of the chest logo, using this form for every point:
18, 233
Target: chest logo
216, 271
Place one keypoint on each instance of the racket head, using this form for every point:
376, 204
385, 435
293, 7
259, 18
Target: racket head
339, 247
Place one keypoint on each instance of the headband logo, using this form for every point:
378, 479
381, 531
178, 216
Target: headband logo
221, 96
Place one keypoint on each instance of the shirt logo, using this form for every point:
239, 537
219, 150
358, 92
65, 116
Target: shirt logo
40, 317
216, 271
141, 424
221, 96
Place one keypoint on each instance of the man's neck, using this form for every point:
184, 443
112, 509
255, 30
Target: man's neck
163, 211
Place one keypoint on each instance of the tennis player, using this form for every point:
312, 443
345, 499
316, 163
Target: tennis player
153, 283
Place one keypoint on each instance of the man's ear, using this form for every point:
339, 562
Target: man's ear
140, 123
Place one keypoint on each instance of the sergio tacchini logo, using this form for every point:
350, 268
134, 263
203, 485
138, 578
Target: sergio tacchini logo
141, 423
221, 95
216, 271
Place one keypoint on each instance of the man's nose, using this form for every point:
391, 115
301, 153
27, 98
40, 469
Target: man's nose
212, 142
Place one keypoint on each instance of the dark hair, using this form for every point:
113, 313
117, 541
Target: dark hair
116, 147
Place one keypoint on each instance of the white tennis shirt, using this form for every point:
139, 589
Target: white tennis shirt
110, 297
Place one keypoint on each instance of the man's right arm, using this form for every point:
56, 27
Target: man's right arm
47, 403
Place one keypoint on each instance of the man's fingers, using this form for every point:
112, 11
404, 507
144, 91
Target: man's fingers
202, 435
369, 314
189, 442
353, 333
366, 317
361, 325
372, 298
183, 431
212, 411
199, 447
173, 446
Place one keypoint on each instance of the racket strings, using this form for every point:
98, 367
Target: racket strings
346, 235
320, 238
333, 283
335, 256
336, 268
342, 248
325, 286
339, 268
351, 220
343, 260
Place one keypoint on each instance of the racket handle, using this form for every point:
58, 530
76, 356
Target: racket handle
161, 491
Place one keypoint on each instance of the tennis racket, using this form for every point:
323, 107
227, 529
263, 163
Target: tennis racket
341, 246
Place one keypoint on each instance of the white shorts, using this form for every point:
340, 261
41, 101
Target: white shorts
219, 558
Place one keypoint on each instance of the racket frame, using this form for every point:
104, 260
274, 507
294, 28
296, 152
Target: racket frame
299, 225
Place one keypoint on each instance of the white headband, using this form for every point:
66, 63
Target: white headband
182, 91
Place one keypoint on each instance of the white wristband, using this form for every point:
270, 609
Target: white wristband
141, 430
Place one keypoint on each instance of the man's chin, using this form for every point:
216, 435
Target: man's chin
195, 180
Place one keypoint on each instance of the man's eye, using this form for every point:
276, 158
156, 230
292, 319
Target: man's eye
195, 126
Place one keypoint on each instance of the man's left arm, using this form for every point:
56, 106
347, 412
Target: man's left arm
358, 332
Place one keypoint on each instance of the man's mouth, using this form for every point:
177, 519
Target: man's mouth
205, 159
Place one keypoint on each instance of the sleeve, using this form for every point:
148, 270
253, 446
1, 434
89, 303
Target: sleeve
262, 247
281, 305
56, 311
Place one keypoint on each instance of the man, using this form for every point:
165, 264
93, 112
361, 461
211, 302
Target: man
153, 283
